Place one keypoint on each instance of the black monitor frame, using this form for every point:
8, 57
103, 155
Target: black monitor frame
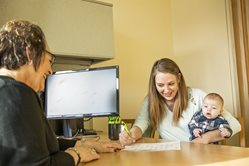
68, 118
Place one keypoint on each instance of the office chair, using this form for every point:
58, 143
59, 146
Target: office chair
242, 137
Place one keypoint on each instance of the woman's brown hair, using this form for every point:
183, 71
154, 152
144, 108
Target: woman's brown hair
156, 106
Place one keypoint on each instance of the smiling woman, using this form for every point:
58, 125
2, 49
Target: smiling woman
23, 70
25, 62
169, 106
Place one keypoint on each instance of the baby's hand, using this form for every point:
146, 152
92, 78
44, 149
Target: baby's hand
224, 132
197, 132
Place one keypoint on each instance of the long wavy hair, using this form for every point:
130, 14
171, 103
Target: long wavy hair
15, 37
156, 103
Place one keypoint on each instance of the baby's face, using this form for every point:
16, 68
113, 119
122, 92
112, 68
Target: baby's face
211, 108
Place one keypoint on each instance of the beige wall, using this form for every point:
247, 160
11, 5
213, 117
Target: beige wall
195, 33
201, 46
142, 35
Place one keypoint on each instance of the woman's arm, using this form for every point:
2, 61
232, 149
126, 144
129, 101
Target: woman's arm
232, 121
141, 124
136, 133
66, 143
208, 137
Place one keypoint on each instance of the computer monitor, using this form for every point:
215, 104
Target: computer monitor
84, 93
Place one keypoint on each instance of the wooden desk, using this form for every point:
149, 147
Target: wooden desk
190, 154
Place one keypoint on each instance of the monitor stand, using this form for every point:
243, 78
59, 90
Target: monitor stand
72, 127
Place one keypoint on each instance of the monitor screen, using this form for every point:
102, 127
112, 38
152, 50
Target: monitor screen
84, 93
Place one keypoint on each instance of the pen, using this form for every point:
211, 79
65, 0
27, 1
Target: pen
126, 128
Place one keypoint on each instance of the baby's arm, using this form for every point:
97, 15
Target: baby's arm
225, 131
197, 132
194, 128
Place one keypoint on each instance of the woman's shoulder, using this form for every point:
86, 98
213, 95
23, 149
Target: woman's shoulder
11, 87
196, 96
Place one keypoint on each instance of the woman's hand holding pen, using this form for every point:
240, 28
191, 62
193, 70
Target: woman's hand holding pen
126, 139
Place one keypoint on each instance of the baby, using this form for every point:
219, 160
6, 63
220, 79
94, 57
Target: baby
210, 118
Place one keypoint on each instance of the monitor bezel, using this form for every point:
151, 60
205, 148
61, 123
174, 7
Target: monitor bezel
106, 114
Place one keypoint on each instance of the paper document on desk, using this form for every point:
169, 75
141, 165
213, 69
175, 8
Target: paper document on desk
172, 145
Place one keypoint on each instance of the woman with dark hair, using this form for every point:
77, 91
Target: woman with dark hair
169, 107
25, 135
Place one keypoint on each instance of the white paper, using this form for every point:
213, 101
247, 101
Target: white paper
172, 145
